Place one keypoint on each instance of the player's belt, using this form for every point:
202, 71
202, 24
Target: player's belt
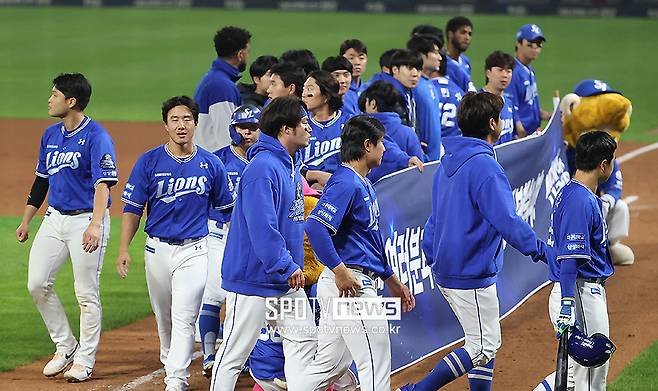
178, 242
369, 273
75, 212
599, 280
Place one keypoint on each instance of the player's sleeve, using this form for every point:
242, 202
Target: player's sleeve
135, 193
42, 168
217, 101
572, 234
263, 227
494, 199
103, 160
222, 192
334, 205
429, 119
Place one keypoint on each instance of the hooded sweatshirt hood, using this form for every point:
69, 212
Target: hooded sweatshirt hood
221, 65
459, 150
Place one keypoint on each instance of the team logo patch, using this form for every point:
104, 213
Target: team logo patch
596, 291
107, 163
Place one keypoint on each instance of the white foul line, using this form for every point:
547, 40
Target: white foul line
148, 378
637, 152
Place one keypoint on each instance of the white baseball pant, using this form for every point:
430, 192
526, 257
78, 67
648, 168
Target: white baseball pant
245, 316
591, 318
176, 276
60, 237
366, 341
478, 313
216, 239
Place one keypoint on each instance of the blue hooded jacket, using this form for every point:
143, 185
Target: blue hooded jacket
472, 212
404, 136
265, 241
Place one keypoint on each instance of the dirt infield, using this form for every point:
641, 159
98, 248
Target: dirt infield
528, 351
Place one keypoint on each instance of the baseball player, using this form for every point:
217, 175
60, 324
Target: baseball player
459, 31
244, 133
450, 96
341, 69
498, 70
76, 169
264, 251
523, 88
216, 94
357, 53
472, 213
177, 183
286, 79
344, 232
579, 236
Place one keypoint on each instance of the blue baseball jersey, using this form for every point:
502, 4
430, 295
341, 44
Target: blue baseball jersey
351, 99
323, 151
349, 209
465, 63
75, 162
523, 92
507, 119
234, 164
579, 231
459, 75
614, 184
177, 193
450, 97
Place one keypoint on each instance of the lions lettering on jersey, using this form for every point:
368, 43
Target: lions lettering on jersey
171, 189
323, 151
55, 161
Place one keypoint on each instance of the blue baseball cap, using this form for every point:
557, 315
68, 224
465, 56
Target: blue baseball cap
591, 87
530, 32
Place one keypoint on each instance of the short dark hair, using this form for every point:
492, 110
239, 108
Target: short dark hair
290, 74
384, 94
475, 111
355, 44
430, 31
303, 58
180, 100
355, 132
261, 65
408, 58
498, 59
385, 58
421, 44
458, 22
594, 147
338, 63
74, 85
230, 39
280, 112
443, 66
329, 88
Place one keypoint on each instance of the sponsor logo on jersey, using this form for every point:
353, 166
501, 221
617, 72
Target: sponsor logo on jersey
169, 190
56, 161
51, 146
157, 174
576, 237
107, 163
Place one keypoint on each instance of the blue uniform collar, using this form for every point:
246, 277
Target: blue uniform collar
237, 155
222, 66
177, 159
83, 124
326, 124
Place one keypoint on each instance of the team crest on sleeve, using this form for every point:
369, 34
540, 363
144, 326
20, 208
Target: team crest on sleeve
107, 163
297, 207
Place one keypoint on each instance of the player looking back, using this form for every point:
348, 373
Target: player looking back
579, 235
264, 253
177, 183
76, 169
344, 232
450, 96
472, 213
216, 94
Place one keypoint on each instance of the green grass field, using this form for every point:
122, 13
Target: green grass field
22, 332
136, 58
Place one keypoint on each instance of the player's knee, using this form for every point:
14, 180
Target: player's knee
38, 289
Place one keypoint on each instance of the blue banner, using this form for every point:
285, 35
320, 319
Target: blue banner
536, 169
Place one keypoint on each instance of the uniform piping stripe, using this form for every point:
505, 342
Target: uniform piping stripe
238, 155
105, 180
40, 174
82, 125
225, 343
179, 160
225, 206
477, 306
136, 205
570, 256
452, 368
339, 113
372, 360
546, 385
332, 229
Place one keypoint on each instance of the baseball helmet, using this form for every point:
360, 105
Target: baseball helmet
592, 351
245, 114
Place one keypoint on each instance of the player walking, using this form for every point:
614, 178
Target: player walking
344, 232
579, 235
217, 95
264, 251
472, 213
177, 183
244, 133
77, 164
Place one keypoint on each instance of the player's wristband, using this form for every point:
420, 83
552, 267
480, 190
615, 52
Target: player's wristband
38, 192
